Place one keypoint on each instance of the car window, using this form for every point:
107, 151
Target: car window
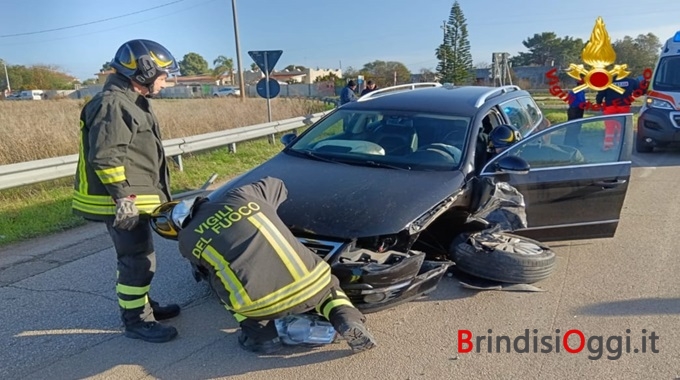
579, 142
667, 76
413, 141
532, 110
517, 115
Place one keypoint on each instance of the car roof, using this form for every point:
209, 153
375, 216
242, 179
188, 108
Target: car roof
459, 100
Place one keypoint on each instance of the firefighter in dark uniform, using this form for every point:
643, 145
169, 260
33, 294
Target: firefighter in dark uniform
614, 103
256, 266
122, 176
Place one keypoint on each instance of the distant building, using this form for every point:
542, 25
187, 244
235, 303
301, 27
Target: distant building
533, 76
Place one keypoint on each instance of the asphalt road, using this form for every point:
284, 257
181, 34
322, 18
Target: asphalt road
59, 319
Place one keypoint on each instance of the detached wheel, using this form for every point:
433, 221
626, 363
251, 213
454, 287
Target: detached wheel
503, 257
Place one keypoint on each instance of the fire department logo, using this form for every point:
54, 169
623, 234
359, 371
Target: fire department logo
599, 54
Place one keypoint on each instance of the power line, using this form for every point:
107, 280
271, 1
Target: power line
91, 22
109, 29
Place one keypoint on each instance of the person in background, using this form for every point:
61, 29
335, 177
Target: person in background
122, 176
370, 86
347, 95
575, 111
576, 103
615, 103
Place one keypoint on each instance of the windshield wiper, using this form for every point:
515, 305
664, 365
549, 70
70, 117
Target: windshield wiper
315, 156
383, 165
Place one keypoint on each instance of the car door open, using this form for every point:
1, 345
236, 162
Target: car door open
578, 177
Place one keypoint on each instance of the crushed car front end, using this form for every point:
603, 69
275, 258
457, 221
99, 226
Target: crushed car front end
376, 281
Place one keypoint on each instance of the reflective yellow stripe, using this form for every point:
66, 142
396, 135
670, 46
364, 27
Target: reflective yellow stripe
106, 200
94, 210
322, 270
134, 304
333, 304
239, 318
292, 301
82, 172
132, 290
111, 175
104, 204
286, 253
237, 294
107, 210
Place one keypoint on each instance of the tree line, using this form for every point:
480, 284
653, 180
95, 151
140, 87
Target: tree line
455, 64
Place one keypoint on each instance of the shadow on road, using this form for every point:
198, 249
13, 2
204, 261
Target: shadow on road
659, 158
250, 363
642, 306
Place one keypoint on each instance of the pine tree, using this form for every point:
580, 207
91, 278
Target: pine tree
455, 59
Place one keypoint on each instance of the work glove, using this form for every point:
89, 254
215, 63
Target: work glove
127, 214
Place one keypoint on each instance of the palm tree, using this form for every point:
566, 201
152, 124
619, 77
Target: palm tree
223, 65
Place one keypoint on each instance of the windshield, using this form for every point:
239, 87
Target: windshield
398, 140
667, 76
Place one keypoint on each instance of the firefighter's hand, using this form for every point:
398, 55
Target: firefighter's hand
127, 214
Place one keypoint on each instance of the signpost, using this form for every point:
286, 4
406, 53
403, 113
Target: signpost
267, 88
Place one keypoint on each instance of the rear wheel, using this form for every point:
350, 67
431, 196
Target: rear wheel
503, 257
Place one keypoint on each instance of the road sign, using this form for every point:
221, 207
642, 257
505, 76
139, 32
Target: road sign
268, 93
266, 59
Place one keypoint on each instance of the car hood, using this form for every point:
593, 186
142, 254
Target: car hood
345, 201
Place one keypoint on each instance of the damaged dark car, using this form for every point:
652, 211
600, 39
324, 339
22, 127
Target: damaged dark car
390, 189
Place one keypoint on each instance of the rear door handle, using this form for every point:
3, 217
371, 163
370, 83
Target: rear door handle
610, 184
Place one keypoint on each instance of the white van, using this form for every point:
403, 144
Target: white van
32, 95
659, 121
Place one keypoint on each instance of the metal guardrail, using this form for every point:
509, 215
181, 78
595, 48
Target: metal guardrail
26, 173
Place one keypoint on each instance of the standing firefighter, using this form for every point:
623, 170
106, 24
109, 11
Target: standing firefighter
259, 270
122, 176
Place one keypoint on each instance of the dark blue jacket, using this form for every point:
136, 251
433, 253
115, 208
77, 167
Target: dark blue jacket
609, 95
347, 95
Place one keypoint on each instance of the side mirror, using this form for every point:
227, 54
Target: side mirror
288, 138
513, 165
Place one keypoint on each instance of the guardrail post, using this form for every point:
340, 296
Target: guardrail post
178, 160
272, 139
232, 148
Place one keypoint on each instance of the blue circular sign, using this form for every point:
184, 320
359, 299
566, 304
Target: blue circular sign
274, 88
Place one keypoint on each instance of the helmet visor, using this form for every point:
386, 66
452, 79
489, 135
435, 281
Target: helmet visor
182, 211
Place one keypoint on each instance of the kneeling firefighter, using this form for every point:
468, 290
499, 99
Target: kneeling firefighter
256, 266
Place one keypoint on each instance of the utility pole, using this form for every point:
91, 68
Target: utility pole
7, 77
241, 85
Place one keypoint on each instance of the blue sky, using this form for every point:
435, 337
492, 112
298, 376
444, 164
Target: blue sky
337, 34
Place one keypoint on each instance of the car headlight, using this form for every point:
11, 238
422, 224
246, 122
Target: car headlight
658, 103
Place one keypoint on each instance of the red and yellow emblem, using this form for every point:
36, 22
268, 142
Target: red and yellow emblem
599, 54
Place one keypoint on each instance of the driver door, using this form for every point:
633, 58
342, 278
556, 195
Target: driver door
574, 189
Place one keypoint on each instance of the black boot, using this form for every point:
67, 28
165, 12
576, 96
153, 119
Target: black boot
349, 323
153, 332
162, 313
357, 336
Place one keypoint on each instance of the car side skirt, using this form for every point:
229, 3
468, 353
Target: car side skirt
576, 231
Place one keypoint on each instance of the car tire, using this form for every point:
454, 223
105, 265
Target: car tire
641, 146
503, 257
